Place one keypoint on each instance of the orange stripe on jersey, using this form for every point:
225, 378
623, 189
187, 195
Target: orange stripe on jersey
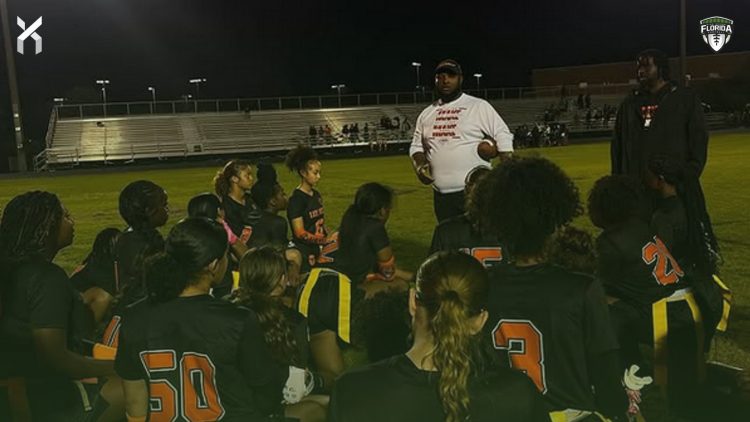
111, 335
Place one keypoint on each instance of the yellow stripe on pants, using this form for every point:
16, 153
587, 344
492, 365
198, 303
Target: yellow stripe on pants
661, 330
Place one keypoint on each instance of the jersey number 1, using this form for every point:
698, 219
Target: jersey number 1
198, 397
522, 341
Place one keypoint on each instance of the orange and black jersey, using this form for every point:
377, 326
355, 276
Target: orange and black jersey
635, 265
241, 219
550, 323
459, 234
359, 256
271, 229
310, 209
326, 299
396, 390
204, 358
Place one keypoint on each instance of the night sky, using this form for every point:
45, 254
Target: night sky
252, 48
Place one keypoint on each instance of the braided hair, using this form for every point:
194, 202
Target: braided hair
138, 200
29, 227
298, 158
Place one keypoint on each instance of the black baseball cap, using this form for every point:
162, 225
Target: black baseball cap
449, 66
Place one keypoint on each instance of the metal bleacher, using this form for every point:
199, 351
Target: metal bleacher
86, 139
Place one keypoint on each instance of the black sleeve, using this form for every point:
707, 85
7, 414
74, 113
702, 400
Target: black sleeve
127, 361
537, 408
379, 237
608, 259
50, 298
597, 326
617, 142
279, 232
697, 138
606, 375
296, 207
436, 244
262, 374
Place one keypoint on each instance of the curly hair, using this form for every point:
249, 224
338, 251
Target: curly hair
572, 249
137, 200
523, 201
298, 158
30, 222
453, 287
260, 272
267, 186
614, 199
223, 178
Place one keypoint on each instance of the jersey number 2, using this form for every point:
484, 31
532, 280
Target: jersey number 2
198, 397
522, 341
667, 270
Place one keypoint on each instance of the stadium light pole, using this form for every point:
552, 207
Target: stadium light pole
338, 88
478, 76
416, 66
197, 82
153, 93
103, 83
13, 84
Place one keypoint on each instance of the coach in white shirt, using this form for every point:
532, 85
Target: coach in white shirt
448, 138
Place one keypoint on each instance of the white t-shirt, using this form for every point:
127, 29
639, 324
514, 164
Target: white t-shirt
449, 134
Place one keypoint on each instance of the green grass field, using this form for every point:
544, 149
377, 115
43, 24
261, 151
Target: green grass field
92, 199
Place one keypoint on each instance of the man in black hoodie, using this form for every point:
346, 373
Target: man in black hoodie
658, 118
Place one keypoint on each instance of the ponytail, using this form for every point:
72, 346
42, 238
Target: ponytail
223, 179
260, 272
453, 288
192, 244
451, 355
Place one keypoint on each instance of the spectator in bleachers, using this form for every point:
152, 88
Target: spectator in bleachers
587, 100
345, 133
312, 132
366, 131
328, 132
579, 101
355, 133
396, 123
321, 134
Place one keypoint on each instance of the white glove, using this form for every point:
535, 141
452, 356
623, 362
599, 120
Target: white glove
633, 381
299, 384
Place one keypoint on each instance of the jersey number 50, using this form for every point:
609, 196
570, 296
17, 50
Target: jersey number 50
198, 397
522, 341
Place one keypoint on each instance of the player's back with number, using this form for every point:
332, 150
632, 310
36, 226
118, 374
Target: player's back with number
547, 321
199, 356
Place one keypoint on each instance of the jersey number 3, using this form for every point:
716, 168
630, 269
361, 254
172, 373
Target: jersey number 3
198, 397
522, 341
